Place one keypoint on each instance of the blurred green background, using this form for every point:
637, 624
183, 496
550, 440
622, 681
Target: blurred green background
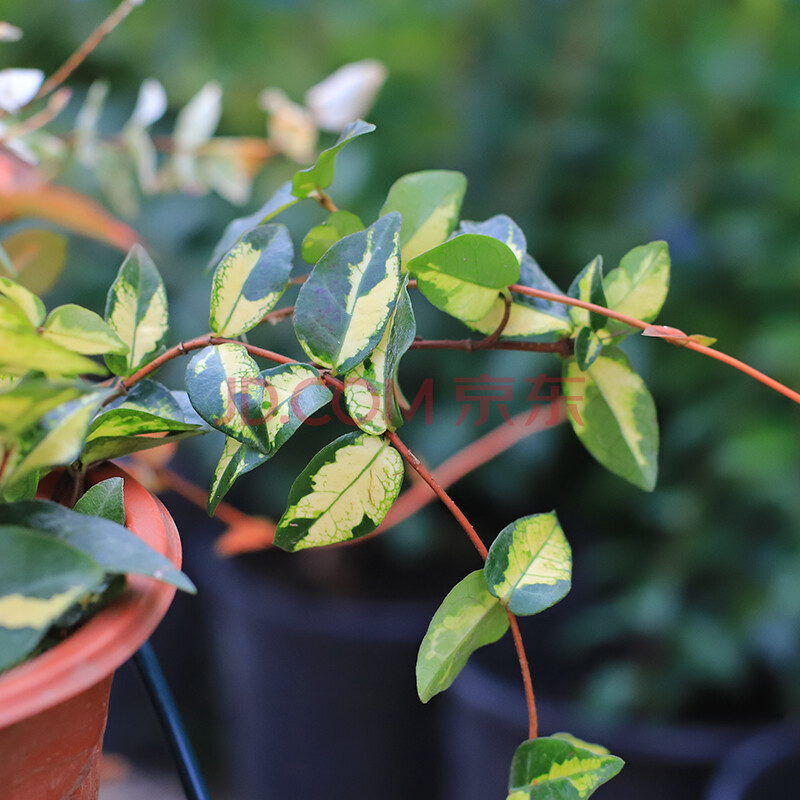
597, 125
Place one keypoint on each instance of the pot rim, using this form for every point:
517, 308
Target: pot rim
112, 636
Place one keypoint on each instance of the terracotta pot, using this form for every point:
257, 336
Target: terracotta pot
53, 709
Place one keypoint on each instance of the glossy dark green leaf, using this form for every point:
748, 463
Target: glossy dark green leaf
615, 417
560, 767
40, 578
344, 308
113, 547
529, 566
136, 310
320, 176
344, 493
588, 286
105, 499
250, 279
369, 386
321, 237
462, 276
468, 618
226, 390
429, 203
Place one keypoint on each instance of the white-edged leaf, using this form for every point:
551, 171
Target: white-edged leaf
82, 331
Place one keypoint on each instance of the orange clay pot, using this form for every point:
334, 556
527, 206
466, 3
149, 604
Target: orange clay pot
53, 709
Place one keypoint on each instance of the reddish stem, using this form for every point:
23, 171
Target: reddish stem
533, 720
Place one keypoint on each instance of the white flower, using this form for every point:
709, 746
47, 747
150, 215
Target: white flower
345, 95
18, 87
151, 104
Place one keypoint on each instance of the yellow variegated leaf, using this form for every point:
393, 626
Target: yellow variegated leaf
136, 310
368, 387
81, 331
615, 417
559, 767
26, 300
529, 566
638, 286
250, 279
468, 618
429, 203
344, 307
21, 352
344, 493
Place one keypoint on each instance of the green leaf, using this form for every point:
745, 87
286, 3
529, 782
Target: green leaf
588, 345
616, 417
320, 176
529, 566
559, 767
37, 256
22, 352
638, 286
121, 431
502, 228
250, 280
31, 399
113, 547
344, 493
280, 201
227, 391
321, 237
152, 397
369, 386
41, 577
136, 310
32, 306
82, 331
429, 203
462, 276
60, 435
105, 499
23, 489
588, 286
344, 307
13, 318
468, 618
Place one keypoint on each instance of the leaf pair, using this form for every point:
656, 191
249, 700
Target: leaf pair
528, 569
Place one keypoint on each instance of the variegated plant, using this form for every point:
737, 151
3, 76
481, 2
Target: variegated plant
354, 320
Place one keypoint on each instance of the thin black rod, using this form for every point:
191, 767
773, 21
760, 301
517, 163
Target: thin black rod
164, 704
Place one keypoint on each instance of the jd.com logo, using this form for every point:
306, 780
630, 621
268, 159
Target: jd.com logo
248, 396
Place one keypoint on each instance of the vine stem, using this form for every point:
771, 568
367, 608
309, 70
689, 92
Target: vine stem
88, 46
448, 501
530, 699
678, 341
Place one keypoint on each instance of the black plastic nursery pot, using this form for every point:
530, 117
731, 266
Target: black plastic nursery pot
317, 692
762, 767
485, 720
